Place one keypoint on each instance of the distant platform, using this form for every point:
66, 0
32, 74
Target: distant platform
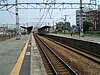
85, 38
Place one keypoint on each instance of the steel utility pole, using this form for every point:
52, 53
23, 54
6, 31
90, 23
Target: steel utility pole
81, 20
65, 22
17, 22
65, 18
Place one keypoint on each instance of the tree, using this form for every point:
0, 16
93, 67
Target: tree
62, 26
11, 30
86, 25
59, 26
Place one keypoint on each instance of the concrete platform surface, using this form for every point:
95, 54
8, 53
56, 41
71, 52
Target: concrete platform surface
37, 67
85, 38
9, 52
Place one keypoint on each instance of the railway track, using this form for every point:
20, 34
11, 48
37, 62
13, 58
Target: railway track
82, 62
91, 56
53, 63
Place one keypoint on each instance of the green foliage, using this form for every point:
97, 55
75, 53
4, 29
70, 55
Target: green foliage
62, 26
11, 30
87, 24
59, 30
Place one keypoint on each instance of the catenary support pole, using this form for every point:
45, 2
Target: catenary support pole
17, 22
81, 20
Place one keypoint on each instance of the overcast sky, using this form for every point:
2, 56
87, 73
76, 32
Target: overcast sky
33, 15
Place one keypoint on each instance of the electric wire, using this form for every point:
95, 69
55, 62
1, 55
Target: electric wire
47, 12
11, 16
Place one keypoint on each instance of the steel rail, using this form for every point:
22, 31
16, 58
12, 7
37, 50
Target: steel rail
53, 69
68, 47
67, 66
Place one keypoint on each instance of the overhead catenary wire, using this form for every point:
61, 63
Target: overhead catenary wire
44, 11
47, 12
50, 14
11, 16
42, 15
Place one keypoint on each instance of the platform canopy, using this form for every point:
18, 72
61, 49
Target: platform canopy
29, 29
44, 29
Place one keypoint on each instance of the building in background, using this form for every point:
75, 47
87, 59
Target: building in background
3, 29
63, 27
98, 20
78, 16
94, 16
91, 15
98, 6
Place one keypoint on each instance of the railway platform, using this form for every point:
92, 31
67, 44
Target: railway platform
9, 52
37, 67
20, 57
85, 38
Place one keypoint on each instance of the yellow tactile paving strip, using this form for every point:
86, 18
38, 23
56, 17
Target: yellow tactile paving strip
17, 67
